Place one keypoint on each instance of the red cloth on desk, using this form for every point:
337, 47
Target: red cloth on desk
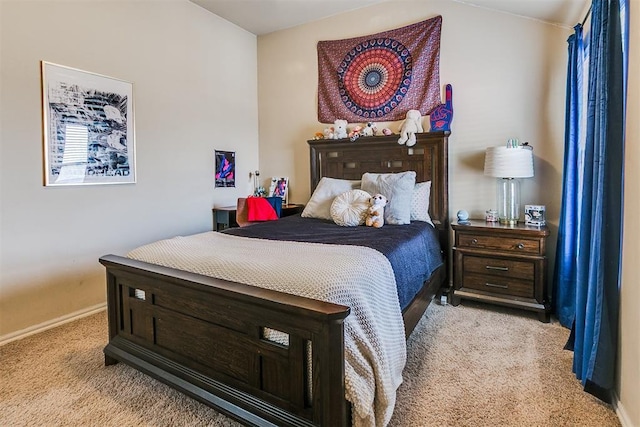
259, 209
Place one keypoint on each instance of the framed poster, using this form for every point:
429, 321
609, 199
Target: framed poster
279, 187
225, 168
88, 128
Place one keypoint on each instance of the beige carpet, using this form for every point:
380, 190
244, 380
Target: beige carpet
469, 365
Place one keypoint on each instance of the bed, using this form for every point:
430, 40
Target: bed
205, 336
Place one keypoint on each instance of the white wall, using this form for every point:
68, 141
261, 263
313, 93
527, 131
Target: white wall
195, 91
629, 372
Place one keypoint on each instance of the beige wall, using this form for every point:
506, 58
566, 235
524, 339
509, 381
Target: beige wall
508, 76
629, 388
195, 90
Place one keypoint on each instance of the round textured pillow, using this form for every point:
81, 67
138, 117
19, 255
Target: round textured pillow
350, 208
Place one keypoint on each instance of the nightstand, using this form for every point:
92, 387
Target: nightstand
501, 264
225, 217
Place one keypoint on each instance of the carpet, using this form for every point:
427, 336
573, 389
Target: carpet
471, 365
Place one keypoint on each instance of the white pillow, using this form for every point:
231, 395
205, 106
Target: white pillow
420, 202
349, 209
319, 205
397, 188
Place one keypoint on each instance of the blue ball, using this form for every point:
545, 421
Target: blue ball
463, 215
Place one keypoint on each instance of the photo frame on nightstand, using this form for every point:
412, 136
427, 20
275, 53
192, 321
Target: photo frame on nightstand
279, 187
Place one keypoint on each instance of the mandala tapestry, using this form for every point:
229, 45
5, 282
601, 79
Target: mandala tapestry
382, 76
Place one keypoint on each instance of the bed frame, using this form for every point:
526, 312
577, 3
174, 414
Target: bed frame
203, 336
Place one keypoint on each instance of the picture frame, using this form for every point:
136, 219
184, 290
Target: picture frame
88, 127
279, 187
534, 215
225, 169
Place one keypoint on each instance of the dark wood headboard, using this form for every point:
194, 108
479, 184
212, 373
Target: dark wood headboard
382, 154
429, 158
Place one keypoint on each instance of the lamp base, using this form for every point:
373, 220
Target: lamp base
508, 201
508, 221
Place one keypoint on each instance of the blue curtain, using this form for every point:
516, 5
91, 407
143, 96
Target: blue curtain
589, 266
565, 266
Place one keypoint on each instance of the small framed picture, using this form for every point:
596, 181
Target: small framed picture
534, 215
279, 187
225, 168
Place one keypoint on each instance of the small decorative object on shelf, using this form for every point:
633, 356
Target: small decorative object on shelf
463, 217
534, 215
491, 215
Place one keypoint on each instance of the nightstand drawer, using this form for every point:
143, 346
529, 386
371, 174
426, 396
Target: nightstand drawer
498, 267
511, 244
499, 285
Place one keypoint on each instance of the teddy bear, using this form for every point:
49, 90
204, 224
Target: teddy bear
411, 125
339, 129
375, 213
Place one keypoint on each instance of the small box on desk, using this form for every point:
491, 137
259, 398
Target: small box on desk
534, 215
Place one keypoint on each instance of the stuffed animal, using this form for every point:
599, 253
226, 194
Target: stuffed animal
339, 129
375, 213
328, 133
411, 125
355, 133
369, 130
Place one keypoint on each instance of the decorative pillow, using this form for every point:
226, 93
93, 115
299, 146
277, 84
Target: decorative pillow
420, 202
328, 188
349, 209
397, 188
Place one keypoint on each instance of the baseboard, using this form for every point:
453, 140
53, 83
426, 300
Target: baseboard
625, 421
32, 330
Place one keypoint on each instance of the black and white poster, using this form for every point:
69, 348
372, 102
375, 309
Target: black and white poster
88, 127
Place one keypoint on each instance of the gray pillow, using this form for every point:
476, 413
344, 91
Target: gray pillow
397, 188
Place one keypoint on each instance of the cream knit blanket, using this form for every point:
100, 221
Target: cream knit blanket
358, 277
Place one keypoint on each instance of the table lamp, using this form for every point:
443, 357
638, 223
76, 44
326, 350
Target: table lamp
508, 164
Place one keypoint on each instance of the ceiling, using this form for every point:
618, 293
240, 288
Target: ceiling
265, 16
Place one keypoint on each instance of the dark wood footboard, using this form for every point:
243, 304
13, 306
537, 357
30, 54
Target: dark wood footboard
204, 337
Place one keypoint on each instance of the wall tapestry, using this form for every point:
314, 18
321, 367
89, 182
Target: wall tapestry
381, 76
88, 128
225, 168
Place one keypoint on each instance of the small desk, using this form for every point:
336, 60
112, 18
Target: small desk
225, 217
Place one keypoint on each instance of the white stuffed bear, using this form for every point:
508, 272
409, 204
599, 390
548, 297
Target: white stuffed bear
375, 213
339, 129
411, 125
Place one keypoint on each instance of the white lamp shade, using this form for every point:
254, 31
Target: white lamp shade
504, 162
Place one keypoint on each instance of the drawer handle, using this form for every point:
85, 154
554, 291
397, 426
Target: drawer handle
474, 241
493, 285
491, 267
520, 246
